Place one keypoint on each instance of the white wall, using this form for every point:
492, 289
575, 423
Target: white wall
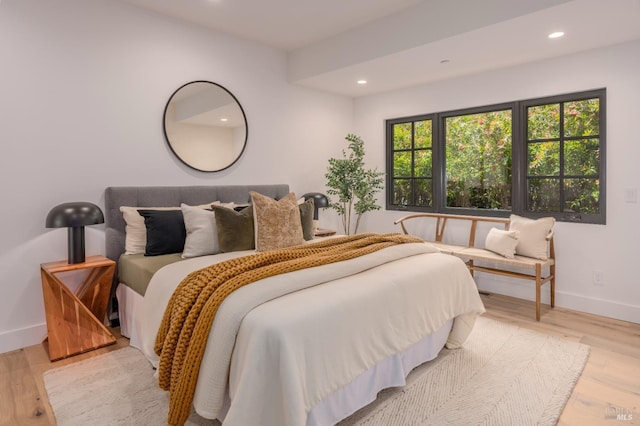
83, 85
580, 248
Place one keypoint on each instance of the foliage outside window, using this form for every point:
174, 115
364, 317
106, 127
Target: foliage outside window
539, 157
478, 160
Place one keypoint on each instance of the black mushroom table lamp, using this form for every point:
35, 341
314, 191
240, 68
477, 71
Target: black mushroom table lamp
75, 216
319, 201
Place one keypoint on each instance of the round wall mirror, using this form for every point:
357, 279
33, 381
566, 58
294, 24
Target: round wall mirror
205, 126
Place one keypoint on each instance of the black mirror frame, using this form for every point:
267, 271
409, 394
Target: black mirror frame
166, 137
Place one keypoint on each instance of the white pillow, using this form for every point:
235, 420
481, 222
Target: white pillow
502, 242
532, 241
135, 240
202, 233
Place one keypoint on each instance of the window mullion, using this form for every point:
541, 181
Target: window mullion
412, 180
519, 164
438, 163
561, 156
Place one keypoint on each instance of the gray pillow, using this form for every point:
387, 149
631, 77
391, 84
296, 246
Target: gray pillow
235, 229
306, 217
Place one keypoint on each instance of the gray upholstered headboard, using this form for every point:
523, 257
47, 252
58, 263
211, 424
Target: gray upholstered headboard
169, 196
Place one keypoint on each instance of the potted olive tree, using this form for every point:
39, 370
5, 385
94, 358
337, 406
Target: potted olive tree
353, 186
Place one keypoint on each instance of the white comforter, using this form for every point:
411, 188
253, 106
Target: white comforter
277, 360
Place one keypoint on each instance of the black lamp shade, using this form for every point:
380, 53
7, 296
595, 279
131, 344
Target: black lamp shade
319, 201
75, 216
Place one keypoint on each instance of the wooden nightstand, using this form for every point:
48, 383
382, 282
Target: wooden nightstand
75, 321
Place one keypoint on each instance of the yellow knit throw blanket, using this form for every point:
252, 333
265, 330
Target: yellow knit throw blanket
187, 320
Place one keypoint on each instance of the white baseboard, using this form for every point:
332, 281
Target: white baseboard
23, 337
525, 290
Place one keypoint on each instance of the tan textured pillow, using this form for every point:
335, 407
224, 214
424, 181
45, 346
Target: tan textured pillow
532, 241
502, 242
276, 223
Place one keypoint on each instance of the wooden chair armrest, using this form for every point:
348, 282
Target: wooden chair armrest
411, 216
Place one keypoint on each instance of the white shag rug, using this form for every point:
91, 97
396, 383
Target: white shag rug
504, 375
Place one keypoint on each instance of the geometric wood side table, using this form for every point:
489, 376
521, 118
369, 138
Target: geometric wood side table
75, 320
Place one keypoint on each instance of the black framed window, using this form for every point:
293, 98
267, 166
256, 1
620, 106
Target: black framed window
411, 160
537, 157
564, 147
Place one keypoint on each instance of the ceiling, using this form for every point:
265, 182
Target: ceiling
284, 24
331, 44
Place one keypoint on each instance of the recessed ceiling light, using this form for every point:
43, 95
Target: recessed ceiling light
556, 34
224, 119
362, 82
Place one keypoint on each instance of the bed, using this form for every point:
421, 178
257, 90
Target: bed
316, 351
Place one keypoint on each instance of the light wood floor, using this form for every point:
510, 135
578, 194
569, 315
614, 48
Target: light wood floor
611, 377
